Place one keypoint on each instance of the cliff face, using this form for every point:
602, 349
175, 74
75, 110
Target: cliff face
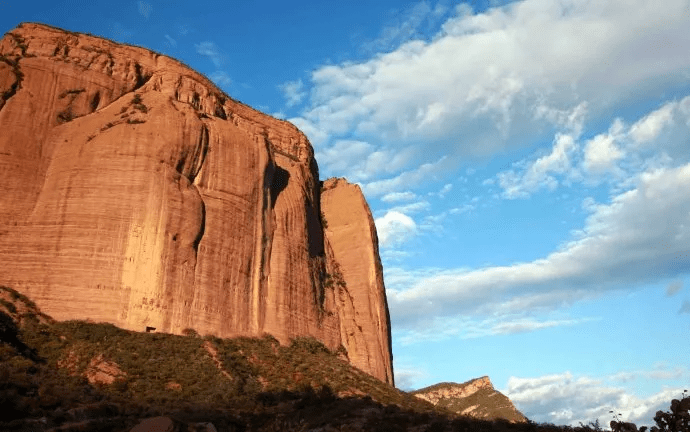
137, 193
475, 398
358, 276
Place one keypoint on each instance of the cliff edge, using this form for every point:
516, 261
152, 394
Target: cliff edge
136, 192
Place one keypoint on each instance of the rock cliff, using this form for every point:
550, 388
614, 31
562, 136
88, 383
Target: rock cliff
135, 192
475, 398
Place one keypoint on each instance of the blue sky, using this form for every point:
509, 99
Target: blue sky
526, 163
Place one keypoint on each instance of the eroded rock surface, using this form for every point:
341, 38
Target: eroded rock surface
135, 192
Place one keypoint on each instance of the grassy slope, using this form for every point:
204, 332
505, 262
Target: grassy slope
254, 384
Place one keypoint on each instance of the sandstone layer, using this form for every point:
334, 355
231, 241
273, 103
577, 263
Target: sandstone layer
475, 398
135, 192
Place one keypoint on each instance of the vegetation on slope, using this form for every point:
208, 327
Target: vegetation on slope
77, 375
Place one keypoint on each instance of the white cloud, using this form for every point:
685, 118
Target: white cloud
172, 42
410, 23
570, 120
437, 329
567, 399
617, 152
405, 180
600, 153
641, 236
407, 376
524, 325
659, 373
221, 78
144, 8
359, 160
294, 92
462, 209
317, 137
541, 74
537, 174
414, 207
649, 128
210, 50
444, 190
398, 196
395, 228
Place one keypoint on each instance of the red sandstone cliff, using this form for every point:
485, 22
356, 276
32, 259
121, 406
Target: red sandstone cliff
137, 193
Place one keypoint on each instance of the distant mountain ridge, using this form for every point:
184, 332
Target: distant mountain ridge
475, 398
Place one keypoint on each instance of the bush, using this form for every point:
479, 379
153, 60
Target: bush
308, 344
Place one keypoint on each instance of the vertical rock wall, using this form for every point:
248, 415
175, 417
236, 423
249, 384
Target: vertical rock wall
358, 276
135, 192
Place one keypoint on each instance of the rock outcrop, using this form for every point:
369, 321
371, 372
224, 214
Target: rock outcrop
475, 398
357, 276
135, 192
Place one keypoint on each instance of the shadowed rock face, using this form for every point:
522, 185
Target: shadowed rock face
137, 193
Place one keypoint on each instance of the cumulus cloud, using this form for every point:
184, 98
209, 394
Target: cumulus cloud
618, 152
394, 228
537, 174
406, 179
649, 128
293, 91
358, 160
567, 399
601, 153
641, 236
210, 50
542, 74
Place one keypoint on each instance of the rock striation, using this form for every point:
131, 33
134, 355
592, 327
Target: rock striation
135, 192
475, 398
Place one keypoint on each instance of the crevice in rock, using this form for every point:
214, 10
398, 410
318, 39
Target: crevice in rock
95, 100
141, 78
180, 163
202, 228
199, 153
314, 230
19, 42
18, 74
281, 177
220, 110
